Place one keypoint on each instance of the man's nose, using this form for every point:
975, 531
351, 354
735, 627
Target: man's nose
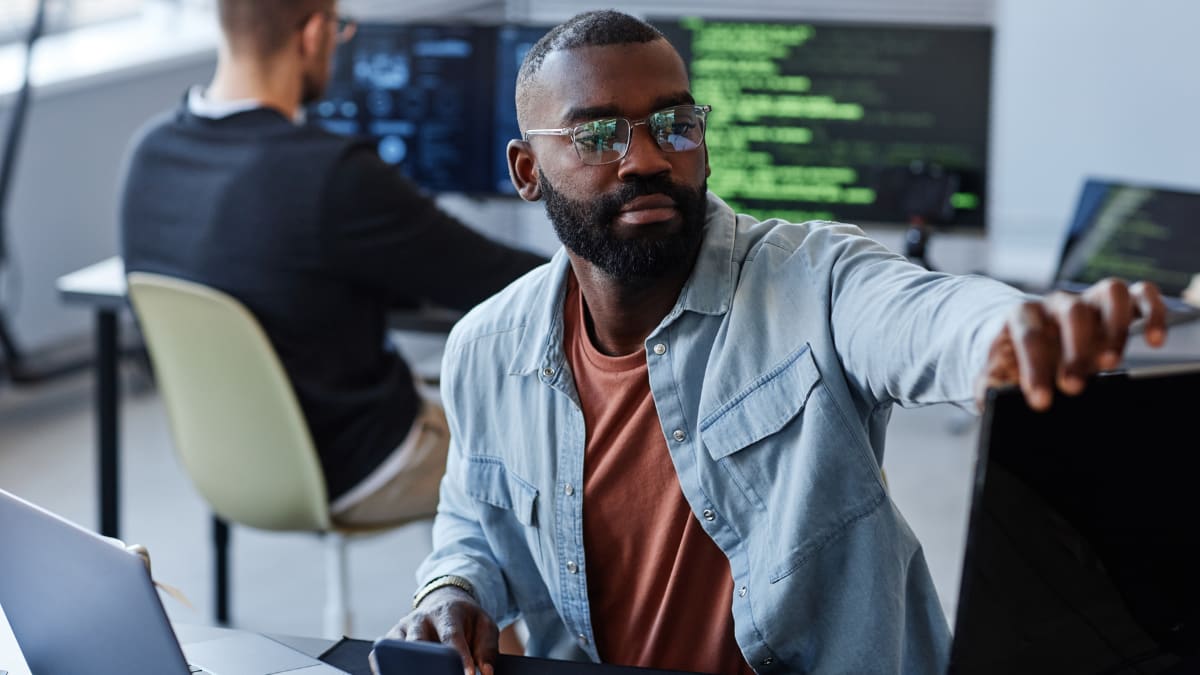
644, 157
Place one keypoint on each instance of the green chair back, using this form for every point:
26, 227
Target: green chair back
237, 425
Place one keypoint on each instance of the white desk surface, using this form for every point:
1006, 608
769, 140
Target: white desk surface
105, 278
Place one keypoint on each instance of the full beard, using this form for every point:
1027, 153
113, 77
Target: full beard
586, 229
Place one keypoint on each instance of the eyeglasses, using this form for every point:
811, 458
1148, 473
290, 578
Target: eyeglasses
344, 27
679, 128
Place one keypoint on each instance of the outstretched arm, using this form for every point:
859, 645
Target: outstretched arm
1062, 339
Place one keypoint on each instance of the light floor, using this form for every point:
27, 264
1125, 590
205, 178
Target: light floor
47, 456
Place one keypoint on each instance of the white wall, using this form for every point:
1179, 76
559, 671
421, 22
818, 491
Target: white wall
1086, 87
62, 213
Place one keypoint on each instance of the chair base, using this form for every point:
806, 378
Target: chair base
338, 620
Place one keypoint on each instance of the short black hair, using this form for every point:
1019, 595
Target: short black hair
264, 26
589, 29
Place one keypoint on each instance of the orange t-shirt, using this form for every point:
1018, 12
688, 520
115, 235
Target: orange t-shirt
660, 589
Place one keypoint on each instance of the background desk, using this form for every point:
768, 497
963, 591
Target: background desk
101, 287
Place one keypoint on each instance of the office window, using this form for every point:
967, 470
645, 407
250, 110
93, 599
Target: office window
16, 16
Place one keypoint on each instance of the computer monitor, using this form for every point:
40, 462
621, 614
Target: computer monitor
861, 123
437, 100
513, 42
1079, 557
424, 95
1132, 231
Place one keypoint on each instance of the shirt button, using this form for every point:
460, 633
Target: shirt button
742, 592
548, 372
569, 490
679, 435
770, 660
660, 349
709, 515
583, 639
572, 567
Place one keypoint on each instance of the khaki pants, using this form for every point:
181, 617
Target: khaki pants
405, 486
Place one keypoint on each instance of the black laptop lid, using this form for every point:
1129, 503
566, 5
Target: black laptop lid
1080, 553
1133, 232
397, 657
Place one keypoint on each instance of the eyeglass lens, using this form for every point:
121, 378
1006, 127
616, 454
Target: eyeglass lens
676, 129
345, 28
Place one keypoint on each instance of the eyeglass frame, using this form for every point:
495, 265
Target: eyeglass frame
701, 110
344, 27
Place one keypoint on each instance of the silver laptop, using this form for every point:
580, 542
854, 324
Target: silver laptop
1134, 232
77, 603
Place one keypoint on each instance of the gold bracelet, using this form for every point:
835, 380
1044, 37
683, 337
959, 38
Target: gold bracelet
442, 582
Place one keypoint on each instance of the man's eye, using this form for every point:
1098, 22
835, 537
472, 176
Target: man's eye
587, 142
596, 136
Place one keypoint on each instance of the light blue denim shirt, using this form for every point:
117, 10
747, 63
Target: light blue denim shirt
773, 377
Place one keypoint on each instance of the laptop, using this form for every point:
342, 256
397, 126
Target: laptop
1135, 232
77, 604
1081, 555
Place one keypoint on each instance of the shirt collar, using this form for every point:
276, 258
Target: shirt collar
200, 105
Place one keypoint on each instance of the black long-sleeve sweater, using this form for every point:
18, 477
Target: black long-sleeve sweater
319, 239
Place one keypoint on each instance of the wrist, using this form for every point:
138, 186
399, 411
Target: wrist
448, 581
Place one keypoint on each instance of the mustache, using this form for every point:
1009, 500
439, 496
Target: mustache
608, 206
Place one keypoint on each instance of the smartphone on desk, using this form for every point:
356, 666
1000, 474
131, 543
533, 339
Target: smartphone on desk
403, 657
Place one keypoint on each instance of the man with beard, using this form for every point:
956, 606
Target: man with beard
319, 238
666, 443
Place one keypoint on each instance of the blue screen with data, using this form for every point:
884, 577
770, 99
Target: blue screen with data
436, 100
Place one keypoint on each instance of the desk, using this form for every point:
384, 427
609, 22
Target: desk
101, 287
12, 659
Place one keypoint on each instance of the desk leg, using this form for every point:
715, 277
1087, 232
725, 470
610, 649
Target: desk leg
107, 405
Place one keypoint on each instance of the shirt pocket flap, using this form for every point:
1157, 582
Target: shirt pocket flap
488, 481
762, 407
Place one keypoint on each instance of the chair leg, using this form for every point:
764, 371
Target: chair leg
220, 534
338, 621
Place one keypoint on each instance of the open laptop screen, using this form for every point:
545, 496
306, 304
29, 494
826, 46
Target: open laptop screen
1080, 555
1133, 232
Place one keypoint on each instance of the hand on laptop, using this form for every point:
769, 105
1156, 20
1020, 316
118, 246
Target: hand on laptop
1062, 339
451, 616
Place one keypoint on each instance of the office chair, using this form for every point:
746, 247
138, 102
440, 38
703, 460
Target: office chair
237, 426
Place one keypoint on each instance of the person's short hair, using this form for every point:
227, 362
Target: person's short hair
589, 29
264, 26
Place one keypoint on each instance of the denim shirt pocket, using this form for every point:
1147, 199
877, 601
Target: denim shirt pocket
490, 482
507, 511
757, 411
762, 407
794, 454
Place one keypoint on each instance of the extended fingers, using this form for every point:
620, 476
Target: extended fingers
438, 626
486, 644
1084, 342
1148, 301
453, 630
1112, 299
1036, 343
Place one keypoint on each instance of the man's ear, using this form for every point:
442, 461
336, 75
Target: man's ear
523, 170
313, 34
707, 166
